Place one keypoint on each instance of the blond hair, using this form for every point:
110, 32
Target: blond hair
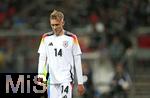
57, 15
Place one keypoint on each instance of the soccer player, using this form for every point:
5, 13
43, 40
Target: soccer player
59, 53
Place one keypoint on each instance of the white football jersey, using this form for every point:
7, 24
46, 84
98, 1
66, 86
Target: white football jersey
60, 51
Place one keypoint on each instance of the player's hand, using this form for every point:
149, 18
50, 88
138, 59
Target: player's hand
40, 81
81, 89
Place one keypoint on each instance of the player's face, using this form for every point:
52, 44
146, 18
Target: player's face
57, 26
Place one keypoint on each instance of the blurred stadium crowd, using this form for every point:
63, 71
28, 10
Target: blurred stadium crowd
120, 15
104, 28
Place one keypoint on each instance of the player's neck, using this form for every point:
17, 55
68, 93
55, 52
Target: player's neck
61, 33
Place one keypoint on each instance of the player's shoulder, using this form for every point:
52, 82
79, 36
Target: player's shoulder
47, 34
70, 34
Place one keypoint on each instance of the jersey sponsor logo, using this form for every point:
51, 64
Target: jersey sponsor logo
50, 44
65, 44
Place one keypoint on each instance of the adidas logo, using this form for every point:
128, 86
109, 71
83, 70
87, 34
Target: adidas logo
50, 44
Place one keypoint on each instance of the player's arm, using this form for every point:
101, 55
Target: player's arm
42, 69
78, 68
77, 59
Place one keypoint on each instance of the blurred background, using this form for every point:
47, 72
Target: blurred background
114, 36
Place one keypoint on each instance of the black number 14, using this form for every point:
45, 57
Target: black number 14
65, 89
58, 52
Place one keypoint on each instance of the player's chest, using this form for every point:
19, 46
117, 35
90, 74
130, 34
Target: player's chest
60, 43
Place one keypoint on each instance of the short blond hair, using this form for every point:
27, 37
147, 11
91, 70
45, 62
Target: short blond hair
57, 15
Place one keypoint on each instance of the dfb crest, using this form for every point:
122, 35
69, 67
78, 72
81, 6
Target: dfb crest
65, 44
